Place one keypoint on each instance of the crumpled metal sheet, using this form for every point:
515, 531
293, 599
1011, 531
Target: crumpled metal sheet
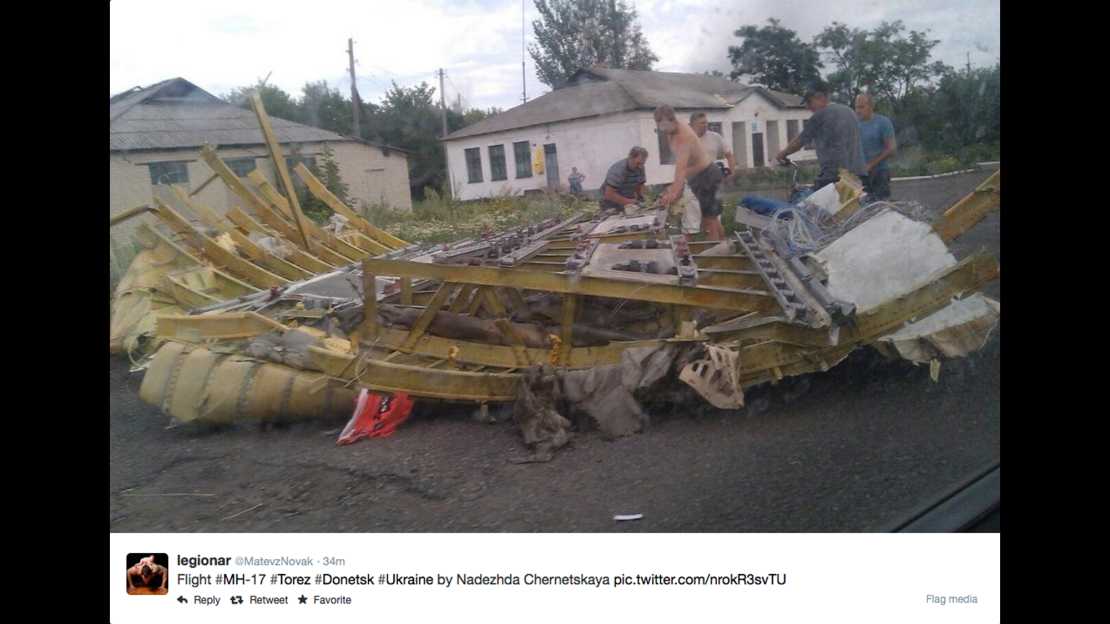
717, 377
884, 257
954, 331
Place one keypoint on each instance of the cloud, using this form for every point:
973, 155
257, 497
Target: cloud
220, 45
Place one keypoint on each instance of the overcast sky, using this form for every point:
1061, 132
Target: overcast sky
232, 43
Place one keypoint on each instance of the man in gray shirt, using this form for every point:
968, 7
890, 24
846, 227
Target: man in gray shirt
624, 183
835, 131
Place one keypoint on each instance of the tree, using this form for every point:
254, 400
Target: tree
278, 103
327, 171
970, 104
886, 61
325, 108
410, 118
470, 117
774, 57
842, 46
909, 63
572, 34
407, 117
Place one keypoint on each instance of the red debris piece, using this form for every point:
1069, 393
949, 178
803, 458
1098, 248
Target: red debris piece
376, 416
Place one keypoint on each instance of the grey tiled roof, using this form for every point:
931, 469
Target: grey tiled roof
594, 92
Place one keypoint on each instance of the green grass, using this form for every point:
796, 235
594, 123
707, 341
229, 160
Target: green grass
439, 219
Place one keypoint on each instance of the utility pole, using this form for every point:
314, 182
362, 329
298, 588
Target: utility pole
443, 119
523, 75
354, 89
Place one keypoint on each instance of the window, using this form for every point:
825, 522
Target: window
791, 129
169, 173
497, 163
474, 165
291, 163
715, 126
665, 155
241, 166
522, 153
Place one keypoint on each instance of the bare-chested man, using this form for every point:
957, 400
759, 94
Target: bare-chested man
694, 167
145, 570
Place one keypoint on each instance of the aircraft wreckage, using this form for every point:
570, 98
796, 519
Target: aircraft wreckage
262, 314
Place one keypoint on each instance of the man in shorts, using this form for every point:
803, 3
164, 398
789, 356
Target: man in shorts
693, 169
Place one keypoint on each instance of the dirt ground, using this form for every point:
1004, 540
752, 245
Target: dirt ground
854, 449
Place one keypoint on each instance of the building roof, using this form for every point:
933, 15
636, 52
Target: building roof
596, 91
176, 114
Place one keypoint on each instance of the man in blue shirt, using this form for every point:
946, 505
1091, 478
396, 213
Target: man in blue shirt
877, 134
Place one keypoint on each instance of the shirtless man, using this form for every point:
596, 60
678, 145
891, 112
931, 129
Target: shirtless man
145, 569
694, 167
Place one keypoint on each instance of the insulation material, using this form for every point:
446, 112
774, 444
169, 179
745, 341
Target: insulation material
133, 302
274, 246
225, 241
885, 257
338, 285
289, 348
541, 425
333, 342
723, 248
608, 394
198, 384
954, 331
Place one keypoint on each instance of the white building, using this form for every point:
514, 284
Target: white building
594, 119
155, 135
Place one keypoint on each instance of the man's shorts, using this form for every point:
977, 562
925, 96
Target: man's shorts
878, 183
707, 188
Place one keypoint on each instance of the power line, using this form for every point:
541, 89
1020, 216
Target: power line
434, 72
370, 78
385, 70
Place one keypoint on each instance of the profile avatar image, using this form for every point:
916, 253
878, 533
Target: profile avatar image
147, 575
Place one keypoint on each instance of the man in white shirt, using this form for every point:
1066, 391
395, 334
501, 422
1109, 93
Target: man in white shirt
713, 143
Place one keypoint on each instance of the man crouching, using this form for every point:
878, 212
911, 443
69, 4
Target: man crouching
693, 166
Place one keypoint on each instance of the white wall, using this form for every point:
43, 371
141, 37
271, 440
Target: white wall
755, 108
594, 144
758, 110
371, 176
